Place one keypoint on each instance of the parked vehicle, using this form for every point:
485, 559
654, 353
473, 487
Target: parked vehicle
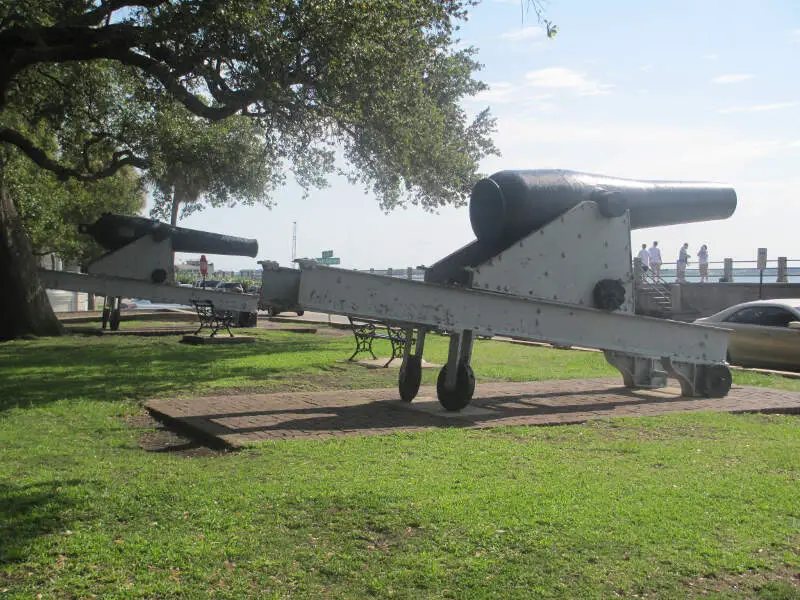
230, 286
207, 284
273, 311
764, 333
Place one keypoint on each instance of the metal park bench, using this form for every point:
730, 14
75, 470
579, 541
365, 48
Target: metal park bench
366, 331
211, 318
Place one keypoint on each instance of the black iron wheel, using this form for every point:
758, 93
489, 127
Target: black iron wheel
717, 381
300, 313
410, 378
461, 395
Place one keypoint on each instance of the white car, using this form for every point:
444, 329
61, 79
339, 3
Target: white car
764, 333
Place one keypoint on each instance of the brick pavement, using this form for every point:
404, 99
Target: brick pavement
242, 419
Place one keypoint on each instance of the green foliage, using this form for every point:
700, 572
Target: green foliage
378, 83
193, 162
52, 210
181, 277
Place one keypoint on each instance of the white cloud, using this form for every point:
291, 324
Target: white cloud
732, 78
646, 68
500, 92
566, 79
794, 36
525, 33
758, 107
631, 149
711, 56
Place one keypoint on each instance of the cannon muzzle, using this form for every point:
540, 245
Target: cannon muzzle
509, 205
113, 232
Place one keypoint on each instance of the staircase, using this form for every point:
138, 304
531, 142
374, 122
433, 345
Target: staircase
658, 295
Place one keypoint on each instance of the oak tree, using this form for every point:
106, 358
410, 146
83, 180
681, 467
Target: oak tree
378, 82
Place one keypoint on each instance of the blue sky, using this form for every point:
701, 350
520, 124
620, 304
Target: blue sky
692, 90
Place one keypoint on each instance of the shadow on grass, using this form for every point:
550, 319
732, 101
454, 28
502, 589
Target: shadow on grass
27, 512
97, 369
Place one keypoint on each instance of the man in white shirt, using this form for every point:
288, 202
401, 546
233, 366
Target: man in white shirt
655, 260
644, 258
683, 260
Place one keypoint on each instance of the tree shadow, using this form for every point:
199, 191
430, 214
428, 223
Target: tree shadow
384, 415
28, 512
100, 369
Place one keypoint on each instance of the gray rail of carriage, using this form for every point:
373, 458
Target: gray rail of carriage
551, 262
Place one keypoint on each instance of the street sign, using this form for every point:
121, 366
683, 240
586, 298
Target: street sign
328, 260
327, 254
203, 265
762, 258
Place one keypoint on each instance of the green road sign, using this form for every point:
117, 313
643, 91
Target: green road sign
327, 254
328, 260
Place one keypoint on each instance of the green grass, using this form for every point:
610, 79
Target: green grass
692, 505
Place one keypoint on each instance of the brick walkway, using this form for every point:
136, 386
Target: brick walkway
238, 420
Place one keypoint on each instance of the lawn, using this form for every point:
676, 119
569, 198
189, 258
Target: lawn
693, 505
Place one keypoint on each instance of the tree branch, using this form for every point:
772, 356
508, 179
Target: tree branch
119, 159
236, 101
106, 9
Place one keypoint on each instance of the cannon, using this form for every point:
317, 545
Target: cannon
113, 232
143, 248
509, 205
551, 262
139, 264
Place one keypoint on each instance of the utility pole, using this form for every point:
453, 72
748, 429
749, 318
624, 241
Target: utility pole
294, 242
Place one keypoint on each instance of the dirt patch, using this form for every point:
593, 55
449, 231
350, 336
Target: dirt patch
157, 437
783, 583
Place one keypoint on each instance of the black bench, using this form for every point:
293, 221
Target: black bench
366, 331
211, 318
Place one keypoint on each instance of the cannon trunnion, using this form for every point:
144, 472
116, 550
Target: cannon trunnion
551, 262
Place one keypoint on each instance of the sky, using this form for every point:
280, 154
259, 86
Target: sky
702, 90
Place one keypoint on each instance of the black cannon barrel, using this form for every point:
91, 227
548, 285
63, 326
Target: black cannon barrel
509, 205
113, 232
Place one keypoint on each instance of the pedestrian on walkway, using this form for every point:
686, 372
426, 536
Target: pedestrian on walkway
702, 261
683, 260
644, 259
655, 260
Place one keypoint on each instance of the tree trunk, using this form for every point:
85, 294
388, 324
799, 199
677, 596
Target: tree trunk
24, 307
176, 203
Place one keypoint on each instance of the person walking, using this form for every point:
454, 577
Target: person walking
644, 259
655, 260
683, 260
702, 261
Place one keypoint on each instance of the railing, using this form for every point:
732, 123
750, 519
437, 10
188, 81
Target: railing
737, 271
734, 271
